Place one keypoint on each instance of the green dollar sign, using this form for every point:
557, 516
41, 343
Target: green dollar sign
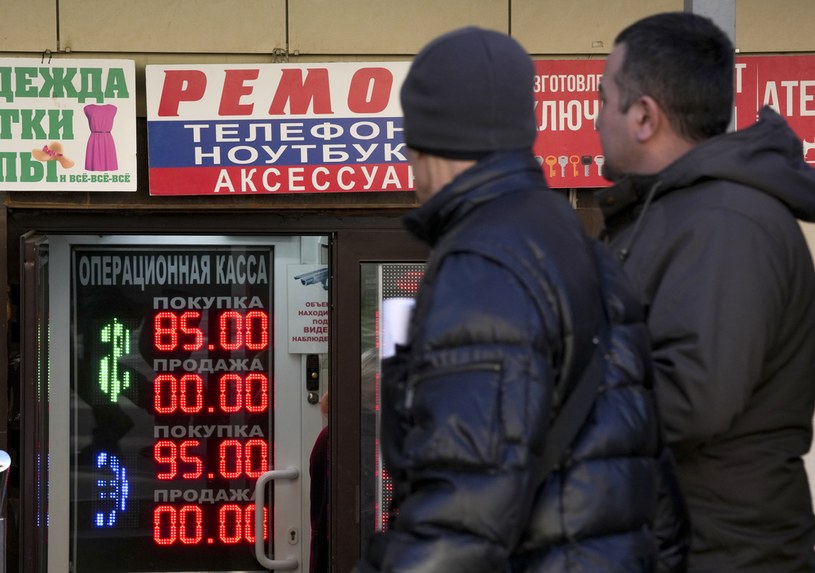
112, 379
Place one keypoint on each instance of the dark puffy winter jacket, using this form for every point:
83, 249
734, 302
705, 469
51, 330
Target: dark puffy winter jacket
713, 244
511, 294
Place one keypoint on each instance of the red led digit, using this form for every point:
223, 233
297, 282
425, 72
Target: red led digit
229, 523
165, 528
190, 527
194, 331
224, 458
231, 386
257, 400
165, 334
195, 403
164, 452
257, 330
256, 450
191, 459
410, 281
231, 330
165, 394
185, 524
249, 523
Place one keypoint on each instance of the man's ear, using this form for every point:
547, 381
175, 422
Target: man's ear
648, 117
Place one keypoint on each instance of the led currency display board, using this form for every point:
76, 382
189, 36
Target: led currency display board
172, 406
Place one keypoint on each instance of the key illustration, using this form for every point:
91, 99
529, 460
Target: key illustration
586, 160
563, 161
550, 161
599, 160
808, 146
575, 161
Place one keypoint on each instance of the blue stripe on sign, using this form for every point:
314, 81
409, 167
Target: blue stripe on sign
312, 141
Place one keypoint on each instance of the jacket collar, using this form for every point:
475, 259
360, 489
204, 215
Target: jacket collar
629, 191
766, 156
493, 176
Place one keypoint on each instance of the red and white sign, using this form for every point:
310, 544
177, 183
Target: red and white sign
336, 128
308, 309
566, 107
276, 128
785, 83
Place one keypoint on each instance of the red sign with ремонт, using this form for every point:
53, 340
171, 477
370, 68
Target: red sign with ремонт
337, 128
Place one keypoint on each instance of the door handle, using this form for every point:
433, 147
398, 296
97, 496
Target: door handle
260, 494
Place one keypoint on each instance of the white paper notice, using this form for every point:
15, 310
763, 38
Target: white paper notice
395, 323
308, 309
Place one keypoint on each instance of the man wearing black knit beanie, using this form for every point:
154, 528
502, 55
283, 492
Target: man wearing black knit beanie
510, 336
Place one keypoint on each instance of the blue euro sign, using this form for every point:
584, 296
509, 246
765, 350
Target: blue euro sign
113, 487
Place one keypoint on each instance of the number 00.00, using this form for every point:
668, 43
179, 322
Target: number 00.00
185, 524
171, 394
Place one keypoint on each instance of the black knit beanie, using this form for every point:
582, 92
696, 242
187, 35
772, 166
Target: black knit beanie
468, 93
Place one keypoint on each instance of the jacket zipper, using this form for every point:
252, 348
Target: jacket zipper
626, 250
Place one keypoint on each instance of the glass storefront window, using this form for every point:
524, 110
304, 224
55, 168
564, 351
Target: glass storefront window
380, 282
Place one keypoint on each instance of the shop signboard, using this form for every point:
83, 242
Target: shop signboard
785, 83
568, 146
337, 128
275, 128
67, 125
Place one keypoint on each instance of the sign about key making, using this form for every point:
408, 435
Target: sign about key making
67, 125
566, 108
276, 128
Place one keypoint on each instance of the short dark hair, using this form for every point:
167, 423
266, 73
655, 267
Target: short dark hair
686, 63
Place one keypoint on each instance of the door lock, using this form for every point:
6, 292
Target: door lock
313, 373
292, 536
313, 378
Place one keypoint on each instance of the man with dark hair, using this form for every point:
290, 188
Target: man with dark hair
509, 324
705, 224
696, 90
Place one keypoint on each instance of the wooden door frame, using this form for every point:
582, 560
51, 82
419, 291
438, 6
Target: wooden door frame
349, 250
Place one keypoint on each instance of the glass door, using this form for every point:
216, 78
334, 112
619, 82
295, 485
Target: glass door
374, 267
387, 292
179, 416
